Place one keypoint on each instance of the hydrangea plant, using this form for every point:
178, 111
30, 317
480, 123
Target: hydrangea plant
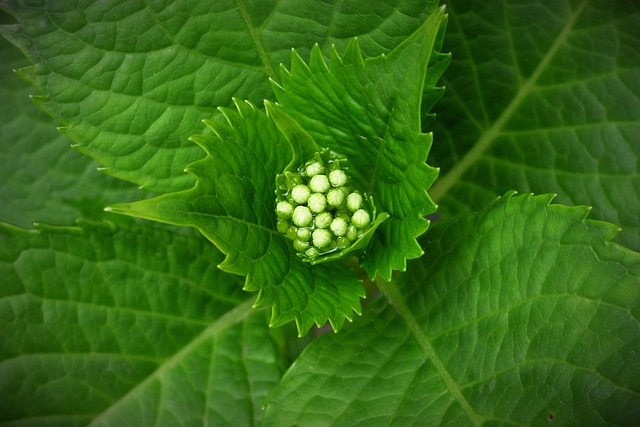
325, 195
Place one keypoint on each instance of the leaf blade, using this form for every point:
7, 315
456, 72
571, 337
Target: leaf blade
233, 205
369, 112
484, 332
142, 72
560, 118
41, 178
104, 323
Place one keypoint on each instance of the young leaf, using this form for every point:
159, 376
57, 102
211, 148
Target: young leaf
113, 326
233, 205
131, 80
524, 314
369, 112
542, 97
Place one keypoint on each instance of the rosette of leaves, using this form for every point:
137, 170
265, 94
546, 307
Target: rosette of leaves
367, 111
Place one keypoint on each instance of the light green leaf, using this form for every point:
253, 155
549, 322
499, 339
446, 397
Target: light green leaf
233, 205
524, 314
131, 80
542, 97
369, 112
41, 178
110, 326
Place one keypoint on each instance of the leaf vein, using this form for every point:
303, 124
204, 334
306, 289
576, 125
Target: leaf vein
397, 300
439, 190
257, 41
238, 314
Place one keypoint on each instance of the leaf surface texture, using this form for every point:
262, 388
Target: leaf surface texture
542, 97
108, 325
524, 313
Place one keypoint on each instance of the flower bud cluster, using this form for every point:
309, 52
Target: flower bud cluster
319, 212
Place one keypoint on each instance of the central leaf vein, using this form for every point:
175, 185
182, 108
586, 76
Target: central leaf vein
231, 318
439, 190
255, 36
399, 304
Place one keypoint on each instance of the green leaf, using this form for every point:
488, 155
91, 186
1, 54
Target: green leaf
41, 178
524, 313
233, 205
130, 80
369, 112
542, 97
114, 326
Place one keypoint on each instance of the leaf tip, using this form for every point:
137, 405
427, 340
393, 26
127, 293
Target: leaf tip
284, 72
297, 63
268, 104
316, 61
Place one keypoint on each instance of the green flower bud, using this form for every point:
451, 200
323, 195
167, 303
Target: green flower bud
352, 233
335, 197
283, 225
317, 211
300, 193
360, 218
314, 168
302, 216
344, 215
343, 242
292, 232
323, 220
339, 226
284, 210
312, 252
319, 184
337, 178
354, 201
304, 234
300, 246
321, 238
317, 202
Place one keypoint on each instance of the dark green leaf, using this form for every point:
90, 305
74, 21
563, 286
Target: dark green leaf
127, 327
523, 314
543, 97
130, 79
41, 179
